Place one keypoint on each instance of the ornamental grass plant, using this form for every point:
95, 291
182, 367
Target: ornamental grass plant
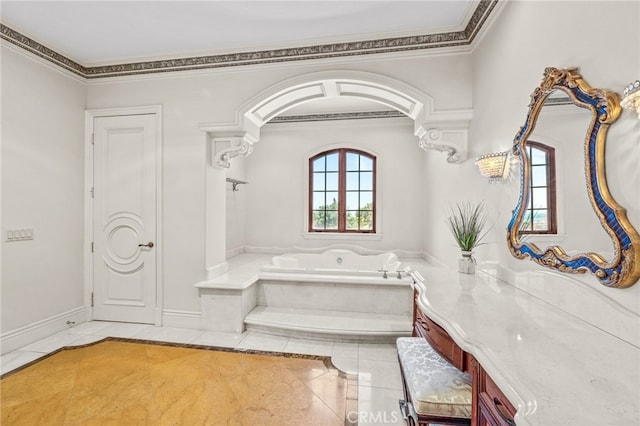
467, 223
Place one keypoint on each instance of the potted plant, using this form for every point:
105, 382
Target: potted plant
467, 223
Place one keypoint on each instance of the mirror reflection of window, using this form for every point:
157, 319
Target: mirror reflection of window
540, 216
342, 192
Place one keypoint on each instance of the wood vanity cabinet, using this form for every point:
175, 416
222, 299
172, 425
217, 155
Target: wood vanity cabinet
490, 406
493, 408
439, 339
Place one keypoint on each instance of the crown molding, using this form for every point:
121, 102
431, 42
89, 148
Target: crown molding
43, 52
362, 115
322, 51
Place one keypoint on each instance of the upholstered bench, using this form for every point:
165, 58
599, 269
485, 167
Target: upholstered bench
434, 390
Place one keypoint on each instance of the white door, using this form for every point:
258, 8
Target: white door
124, 218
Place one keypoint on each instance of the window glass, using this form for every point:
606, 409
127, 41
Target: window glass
540, 220
318, 201
366, 181
332, 220
353, 200
538, 156
352, 161
342, 192
366, 164
332, 162
366, 200
540, 217
331, 201
539, 175
353, 181
319, 165
332, 181
318, 181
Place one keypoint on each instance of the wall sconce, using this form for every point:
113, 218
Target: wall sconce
631, 98
493, 166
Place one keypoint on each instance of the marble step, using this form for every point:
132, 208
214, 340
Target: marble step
328, 325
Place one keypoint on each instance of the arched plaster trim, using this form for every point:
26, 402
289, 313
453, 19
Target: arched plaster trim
444, 131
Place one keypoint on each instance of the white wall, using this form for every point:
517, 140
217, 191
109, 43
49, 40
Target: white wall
214, 97
507, 66
236, 210
44, 158
278, 175
42, 188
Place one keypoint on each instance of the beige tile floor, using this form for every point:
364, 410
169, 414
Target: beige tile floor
130, 382
379, 385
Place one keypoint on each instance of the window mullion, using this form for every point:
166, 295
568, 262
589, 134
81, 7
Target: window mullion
342, 193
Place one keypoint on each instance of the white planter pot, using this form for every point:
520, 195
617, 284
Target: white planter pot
467, 265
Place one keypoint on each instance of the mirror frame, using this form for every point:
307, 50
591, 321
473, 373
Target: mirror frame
624, 269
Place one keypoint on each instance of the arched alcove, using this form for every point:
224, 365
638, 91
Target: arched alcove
444, 131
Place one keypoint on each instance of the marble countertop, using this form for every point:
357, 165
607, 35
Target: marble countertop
242, 273
555, 368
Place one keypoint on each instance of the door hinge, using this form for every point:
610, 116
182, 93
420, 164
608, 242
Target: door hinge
93, 138
91, 298
92, 192
91, 246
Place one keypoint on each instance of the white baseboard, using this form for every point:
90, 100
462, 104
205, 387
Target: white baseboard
234, 252
181, 319
15, 339
217, 270
433, 260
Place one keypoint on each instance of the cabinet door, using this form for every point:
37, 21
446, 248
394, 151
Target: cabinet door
485, 417
493, 412
493, 406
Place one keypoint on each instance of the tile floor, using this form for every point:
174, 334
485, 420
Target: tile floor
379, 384
123, 383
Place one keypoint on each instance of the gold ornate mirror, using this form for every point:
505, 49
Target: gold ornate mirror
608, 246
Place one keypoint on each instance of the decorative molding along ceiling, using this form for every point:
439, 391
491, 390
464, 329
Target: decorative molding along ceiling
323, 51
364, 115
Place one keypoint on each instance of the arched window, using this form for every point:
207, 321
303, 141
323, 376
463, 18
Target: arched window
540, 216
342, 192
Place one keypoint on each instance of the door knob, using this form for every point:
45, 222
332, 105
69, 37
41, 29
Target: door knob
149, 244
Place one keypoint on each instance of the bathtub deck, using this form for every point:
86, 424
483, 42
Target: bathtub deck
327, 307
328, 325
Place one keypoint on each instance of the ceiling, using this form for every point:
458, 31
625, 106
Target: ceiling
95, 33
96, 39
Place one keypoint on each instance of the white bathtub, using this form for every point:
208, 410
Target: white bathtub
336, 262
297, 291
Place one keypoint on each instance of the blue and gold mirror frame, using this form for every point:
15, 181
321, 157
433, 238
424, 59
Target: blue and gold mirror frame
623, 270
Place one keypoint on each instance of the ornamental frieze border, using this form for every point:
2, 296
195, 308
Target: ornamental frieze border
324, 51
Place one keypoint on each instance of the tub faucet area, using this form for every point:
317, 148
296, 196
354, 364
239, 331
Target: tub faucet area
386, 275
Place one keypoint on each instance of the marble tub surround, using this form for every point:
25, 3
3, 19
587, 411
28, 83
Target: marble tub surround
242, 272
357, 312
555, 368
127, 382
328, 325
335, 259
227, 299
358, 308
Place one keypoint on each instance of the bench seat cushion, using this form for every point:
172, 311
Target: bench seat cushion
436, 387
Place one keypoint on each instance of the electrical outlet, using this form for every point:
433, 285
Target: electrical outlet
19, 234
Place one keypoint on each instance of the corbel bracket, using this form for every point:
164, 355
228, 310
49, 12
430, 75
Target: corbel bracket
435, 140
226, 148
